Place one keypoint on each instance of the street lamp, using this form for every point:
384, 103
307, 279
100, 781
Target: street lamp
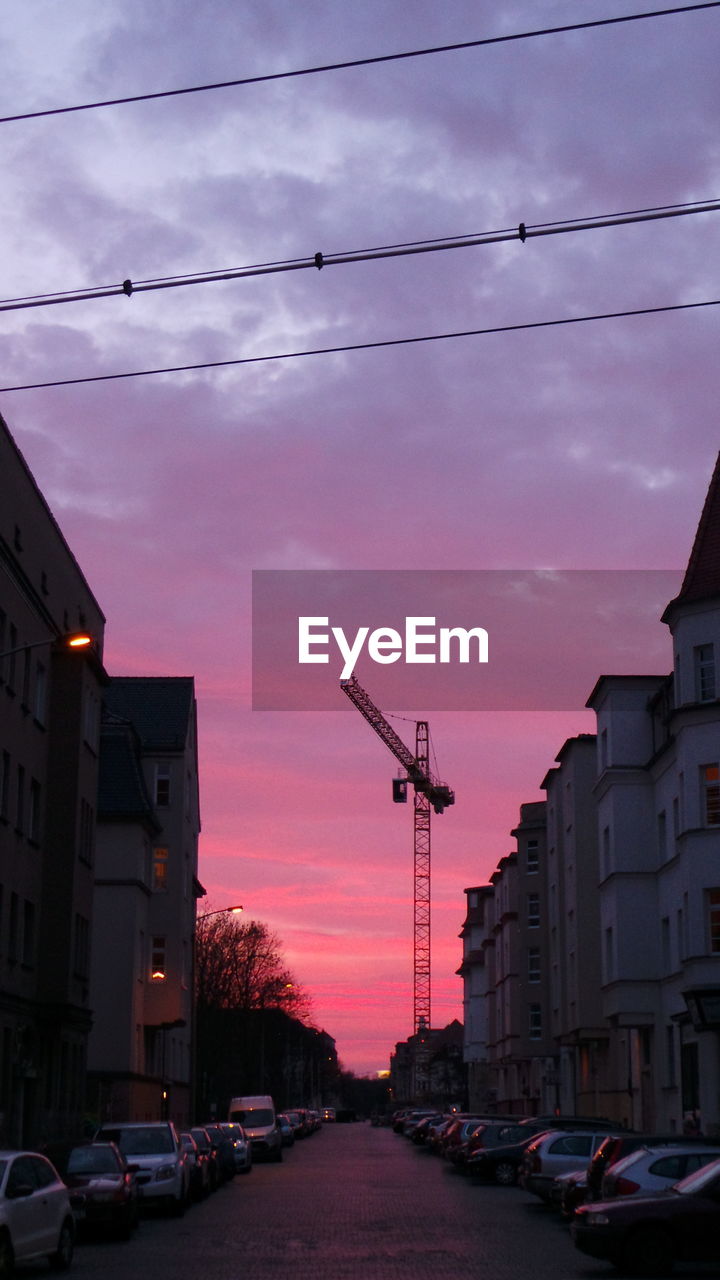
223, 911
71, 640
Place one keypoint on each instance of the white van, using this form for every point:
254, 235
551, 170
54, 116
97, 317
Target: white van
257, 1116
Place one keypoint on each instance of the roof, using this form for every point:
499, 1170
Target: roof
159, 707
702, 576
122, 793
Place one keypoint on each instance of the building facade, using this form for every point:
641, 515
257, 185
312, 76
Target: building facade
611, 956
49, 742
142, 1044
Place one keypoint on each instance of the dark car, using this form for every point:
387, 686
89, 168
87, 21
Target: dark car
287, 1131
224, 1153
501, 1164
103, 1189
490, 1133
645, 1235
204, 1145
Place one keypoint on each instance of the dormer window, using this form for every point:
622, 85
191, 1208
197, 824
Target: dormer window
705, 685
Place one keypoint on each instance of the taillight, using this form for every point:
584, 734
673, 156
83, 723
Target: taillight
626, 1187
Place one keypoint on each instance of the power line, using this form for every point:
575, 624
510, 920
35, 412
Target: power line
359, 62
523, 232
365, 346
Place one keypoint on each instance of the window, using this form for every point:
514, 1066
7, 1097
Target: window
13, 927
533, 857
34, 812
710, 774
533, 969
535, 1022
662, 835
533, 910
5, 785
28, 941
40, 692
158, 964
162, 785
20, 809
160, 870
713, 917
704, 655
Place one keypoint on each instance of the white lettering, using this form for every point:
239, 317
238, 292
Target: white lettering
463, 637
306, 639
385, 645
413, 637
350, 653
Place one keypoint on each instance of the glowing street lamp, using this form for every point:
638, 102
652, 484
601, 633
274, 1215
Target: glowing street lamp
71, 640
223, 911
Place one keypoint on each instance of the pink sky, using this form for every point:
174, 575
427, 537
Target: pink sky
581, 447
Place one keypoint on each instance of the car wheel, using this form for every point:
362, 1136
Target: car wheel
63, 1255
7, 1257
505, 1174
648, 1251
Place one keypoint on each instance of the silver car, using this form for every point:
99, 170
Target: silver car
36, 1220
153, 1149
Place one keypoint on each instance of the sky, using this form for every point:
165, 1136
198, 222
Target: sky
585, 446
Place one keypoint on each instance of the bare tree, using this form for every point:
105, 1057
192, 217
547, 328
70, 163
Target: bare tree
239, 965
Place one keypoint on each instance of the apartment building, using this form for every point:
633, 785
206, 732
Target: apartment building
141, 1047
49, 740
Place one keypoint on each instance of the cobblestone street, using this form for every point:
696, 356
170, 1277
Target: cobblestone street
351, 1202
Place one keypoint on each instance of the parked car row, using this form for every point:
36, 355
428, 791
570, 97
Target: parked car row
638, 1201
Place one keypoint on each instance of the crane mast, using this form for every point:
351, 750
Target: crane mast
429, 794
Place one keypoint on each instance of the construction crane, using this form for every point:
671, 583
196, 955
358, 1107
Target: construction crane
429, 795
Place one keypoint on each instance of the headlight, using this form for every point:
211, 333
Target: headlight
165, 1172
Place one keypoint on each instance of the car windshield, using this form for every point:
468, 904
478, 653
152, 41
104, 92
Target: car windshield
92, 1160
698, 1180
253, 1119
141, 1141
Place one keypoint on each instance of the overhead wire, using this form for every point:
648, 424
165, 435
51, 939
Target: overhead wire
360, 62
365, 346
320, 260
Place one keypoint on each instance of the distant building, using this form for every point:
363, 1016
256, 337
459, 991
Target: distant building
426, 1069
49, 740
141, 1047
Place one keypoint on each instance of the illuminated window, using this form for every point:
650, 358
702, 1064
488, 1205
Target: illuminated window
158, 964
160, 869
711, 786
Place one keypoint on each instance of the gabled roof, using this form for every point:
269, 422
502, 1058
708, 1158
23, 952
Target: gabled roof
122, 794
702, 576
159, 707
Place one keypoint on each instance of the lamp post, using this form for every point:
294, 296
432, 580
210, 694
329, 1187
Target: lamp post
70, 640
223, 911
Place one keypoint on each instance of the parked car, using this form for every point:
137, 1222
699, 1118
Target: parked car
224, 1154
198, 1166
163, 1177
489, 1133
36, 1219
645, 1235
286, 1130
654, 1169
202, 1140
555, 1152
502, 1164
103, 1189
422, 1129
621, 1144
568, 1191
328, 1115
241, 1146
